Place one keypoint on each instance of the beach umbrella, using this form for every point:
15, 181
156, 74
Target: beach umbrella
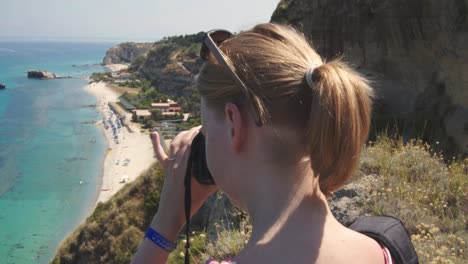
125, 178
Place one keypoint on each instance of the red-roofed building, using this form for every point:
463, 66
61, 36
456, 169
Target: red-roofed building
169, 108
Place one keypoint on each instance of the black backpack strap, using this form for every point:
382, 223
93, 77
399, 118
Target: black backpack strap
391, 232
188, 207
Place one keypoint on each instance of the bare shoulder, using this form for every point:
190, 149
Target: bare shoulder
348, 246
369, 248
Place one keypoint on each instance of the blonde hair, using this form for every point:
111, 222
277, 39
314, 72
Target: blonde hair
332, 113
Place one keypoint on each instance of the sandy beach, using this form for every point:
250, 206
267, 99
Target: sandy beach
127, 159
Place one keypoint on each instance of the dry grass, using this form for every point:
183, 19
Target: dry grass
122, 89
114, 230
428, 194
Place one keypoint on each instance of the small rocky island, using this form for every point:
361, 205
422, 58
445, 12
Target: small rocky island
2, 86
41, 75
45, 75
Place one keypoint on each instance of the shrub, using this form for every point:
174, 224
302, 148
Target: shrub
415, 184
112, 233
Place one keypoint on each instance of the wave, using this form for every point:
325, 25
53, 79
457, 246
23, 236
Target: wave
3, 50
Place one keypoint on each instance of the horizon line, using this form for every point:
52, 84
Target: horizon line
77, 39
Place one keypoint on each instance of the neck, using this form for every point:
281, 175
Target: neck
291, 196
292, 208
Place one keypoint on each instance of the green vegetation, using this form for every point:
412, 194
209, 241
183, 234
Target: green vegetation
191, 122
101, 77
185, 40
167, 53
137, 63
114, 230
415, 184
410, 181
279, 15
192, 103
228, 243
197, 247
145, 97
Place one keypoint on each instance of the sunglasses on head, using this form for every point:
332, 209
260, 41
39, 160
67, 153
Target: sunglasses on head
210, 44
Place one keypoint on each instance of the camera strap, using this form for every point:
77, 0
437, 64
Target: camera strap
188, 206
197, 167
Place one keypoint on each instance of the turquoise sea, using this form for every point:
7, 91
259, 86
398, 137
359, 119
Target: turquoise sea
45, 148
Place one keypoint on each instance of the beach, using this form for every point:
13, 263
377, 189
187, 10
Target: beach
126, 160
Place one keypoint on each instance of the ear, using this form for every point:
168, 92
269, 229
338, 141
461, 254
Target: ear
235, 125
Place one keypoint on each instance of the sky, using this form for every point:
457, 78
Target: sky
126, 20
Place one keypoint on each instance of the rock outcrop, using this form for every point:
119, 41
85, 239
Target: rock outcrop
415, 51
41, 75
172, 64
126, 52
170, 70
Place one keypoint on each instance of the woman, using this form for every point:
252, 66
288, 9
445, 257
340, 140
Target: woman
284, 130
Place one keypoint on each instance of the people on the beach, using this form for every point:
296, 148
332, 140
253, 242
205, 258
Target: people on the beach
284, 130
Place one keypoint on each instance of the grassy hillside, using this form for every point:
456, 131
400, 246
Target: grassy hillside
415, 184
112, 233
409, 181
171, 64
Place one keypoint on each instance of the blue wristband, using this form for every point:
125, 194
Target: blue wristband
159, 240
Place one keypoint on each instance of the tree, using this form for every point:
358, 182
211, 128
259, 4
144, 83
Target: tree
156, 115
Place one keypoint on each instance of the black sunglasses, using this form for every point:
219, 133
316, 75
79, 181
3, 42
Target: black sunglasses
210, 44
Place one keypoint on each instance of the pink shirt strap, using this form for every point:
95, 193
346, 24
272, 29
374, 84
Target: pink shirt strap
387, 255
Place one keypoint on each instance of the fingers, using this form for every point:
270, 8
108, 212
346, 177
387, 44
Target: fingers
183, 140
178, 148
158, 150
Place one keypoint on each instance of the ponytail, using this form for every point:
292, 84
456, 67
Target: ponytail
339, 122
329, 107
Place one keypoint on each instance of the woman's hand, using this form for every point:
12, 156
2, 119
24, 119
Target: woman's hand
170, 217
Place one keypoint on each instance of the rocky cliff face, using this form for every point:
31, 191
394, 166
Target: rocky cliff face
170, 70
172, 64
126, 52
416, 52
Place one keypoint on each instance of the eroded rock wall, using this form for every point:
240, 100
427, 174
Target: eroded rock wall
126, 52
415, 51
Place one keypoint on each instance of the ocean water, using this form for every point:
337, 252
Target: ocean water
45, 148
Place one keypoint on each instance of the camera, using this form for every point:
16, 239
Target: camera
198, 157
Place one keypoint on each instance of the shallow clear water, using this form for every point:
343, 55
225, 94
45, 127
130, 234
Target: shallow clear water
45, 149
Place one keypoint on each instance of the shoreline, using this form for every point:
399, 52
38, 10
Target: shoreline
125, 161
140, 153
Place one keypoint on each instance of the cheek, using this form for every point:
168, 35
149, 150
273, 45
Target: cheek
216, 155
222, 169
221, 166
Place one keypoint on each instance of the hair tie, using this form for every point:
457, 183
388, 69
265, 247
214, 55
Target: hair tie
309, 73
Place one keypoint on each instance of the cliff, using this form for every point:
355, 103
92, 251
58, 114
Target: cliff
171, 65
126, 52
415, 51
